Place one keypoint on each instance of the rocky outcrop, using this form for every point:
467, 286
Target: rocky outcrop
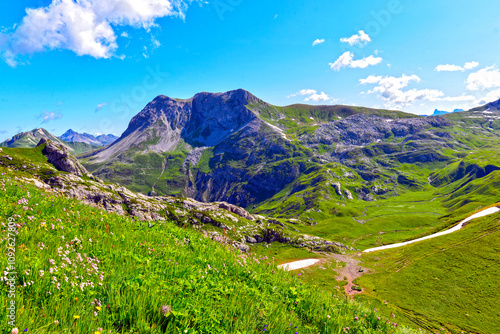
360, 129
59, 156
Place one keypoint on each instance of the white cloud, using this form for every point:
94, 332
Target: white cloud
470, 65
125, 34
318, 41
312, 95
449, 68
361, 38
485, 78
49, 116
454, 68
84, 27
318, 97
391, 90
347, 60
100, 106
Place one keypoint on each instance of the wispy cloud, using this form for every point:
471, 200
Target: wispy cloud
455, 68
318, 41
449, 68
85, 27
46, 116
471, 65
347, 60
100, 106
359, 39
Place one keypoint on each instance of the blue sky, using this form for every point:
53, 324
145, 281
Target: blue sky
92, 65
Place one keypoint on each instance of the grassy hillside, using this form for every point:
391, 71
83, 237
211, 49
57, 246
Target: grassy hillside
443, 284
82, 270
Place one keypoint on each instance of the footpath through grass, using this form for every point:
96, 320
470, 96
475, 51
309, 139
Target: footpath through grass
81, 270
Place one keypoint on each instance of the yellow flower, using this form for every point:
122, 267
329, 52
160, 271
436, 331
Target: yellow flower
98, 308
96, 332
76, 317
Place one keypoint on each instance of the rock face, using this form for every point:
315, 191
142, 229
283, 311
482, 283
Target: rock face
59, 156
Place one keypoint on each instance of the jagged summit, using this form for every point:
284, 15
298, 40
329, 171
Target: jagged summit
204, 120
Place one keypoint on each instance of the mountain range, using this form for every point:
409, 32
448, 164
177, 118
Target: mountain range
75, 142
30, 139
290, 160
101, 140
237, 148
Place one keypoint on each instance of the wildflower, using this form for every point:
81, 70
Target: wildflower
56, 322
328, 316
42, 273
15, 331
76, 317
355, 318
165, 310
22, 201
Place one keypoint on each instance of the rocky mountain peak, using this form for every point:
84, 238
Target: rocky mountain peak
203, 120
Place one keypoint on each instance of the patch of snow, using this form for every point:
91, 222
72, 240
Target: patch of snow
298, 264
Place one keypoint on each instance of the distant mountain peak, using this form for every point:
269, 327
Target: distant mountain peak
75, 137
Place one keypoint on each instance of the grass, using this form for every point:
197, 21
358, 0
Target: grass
443, 283
83, 270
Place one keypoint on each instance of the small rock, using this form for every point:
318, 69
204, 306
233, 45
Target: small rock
251, 240
348, 194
